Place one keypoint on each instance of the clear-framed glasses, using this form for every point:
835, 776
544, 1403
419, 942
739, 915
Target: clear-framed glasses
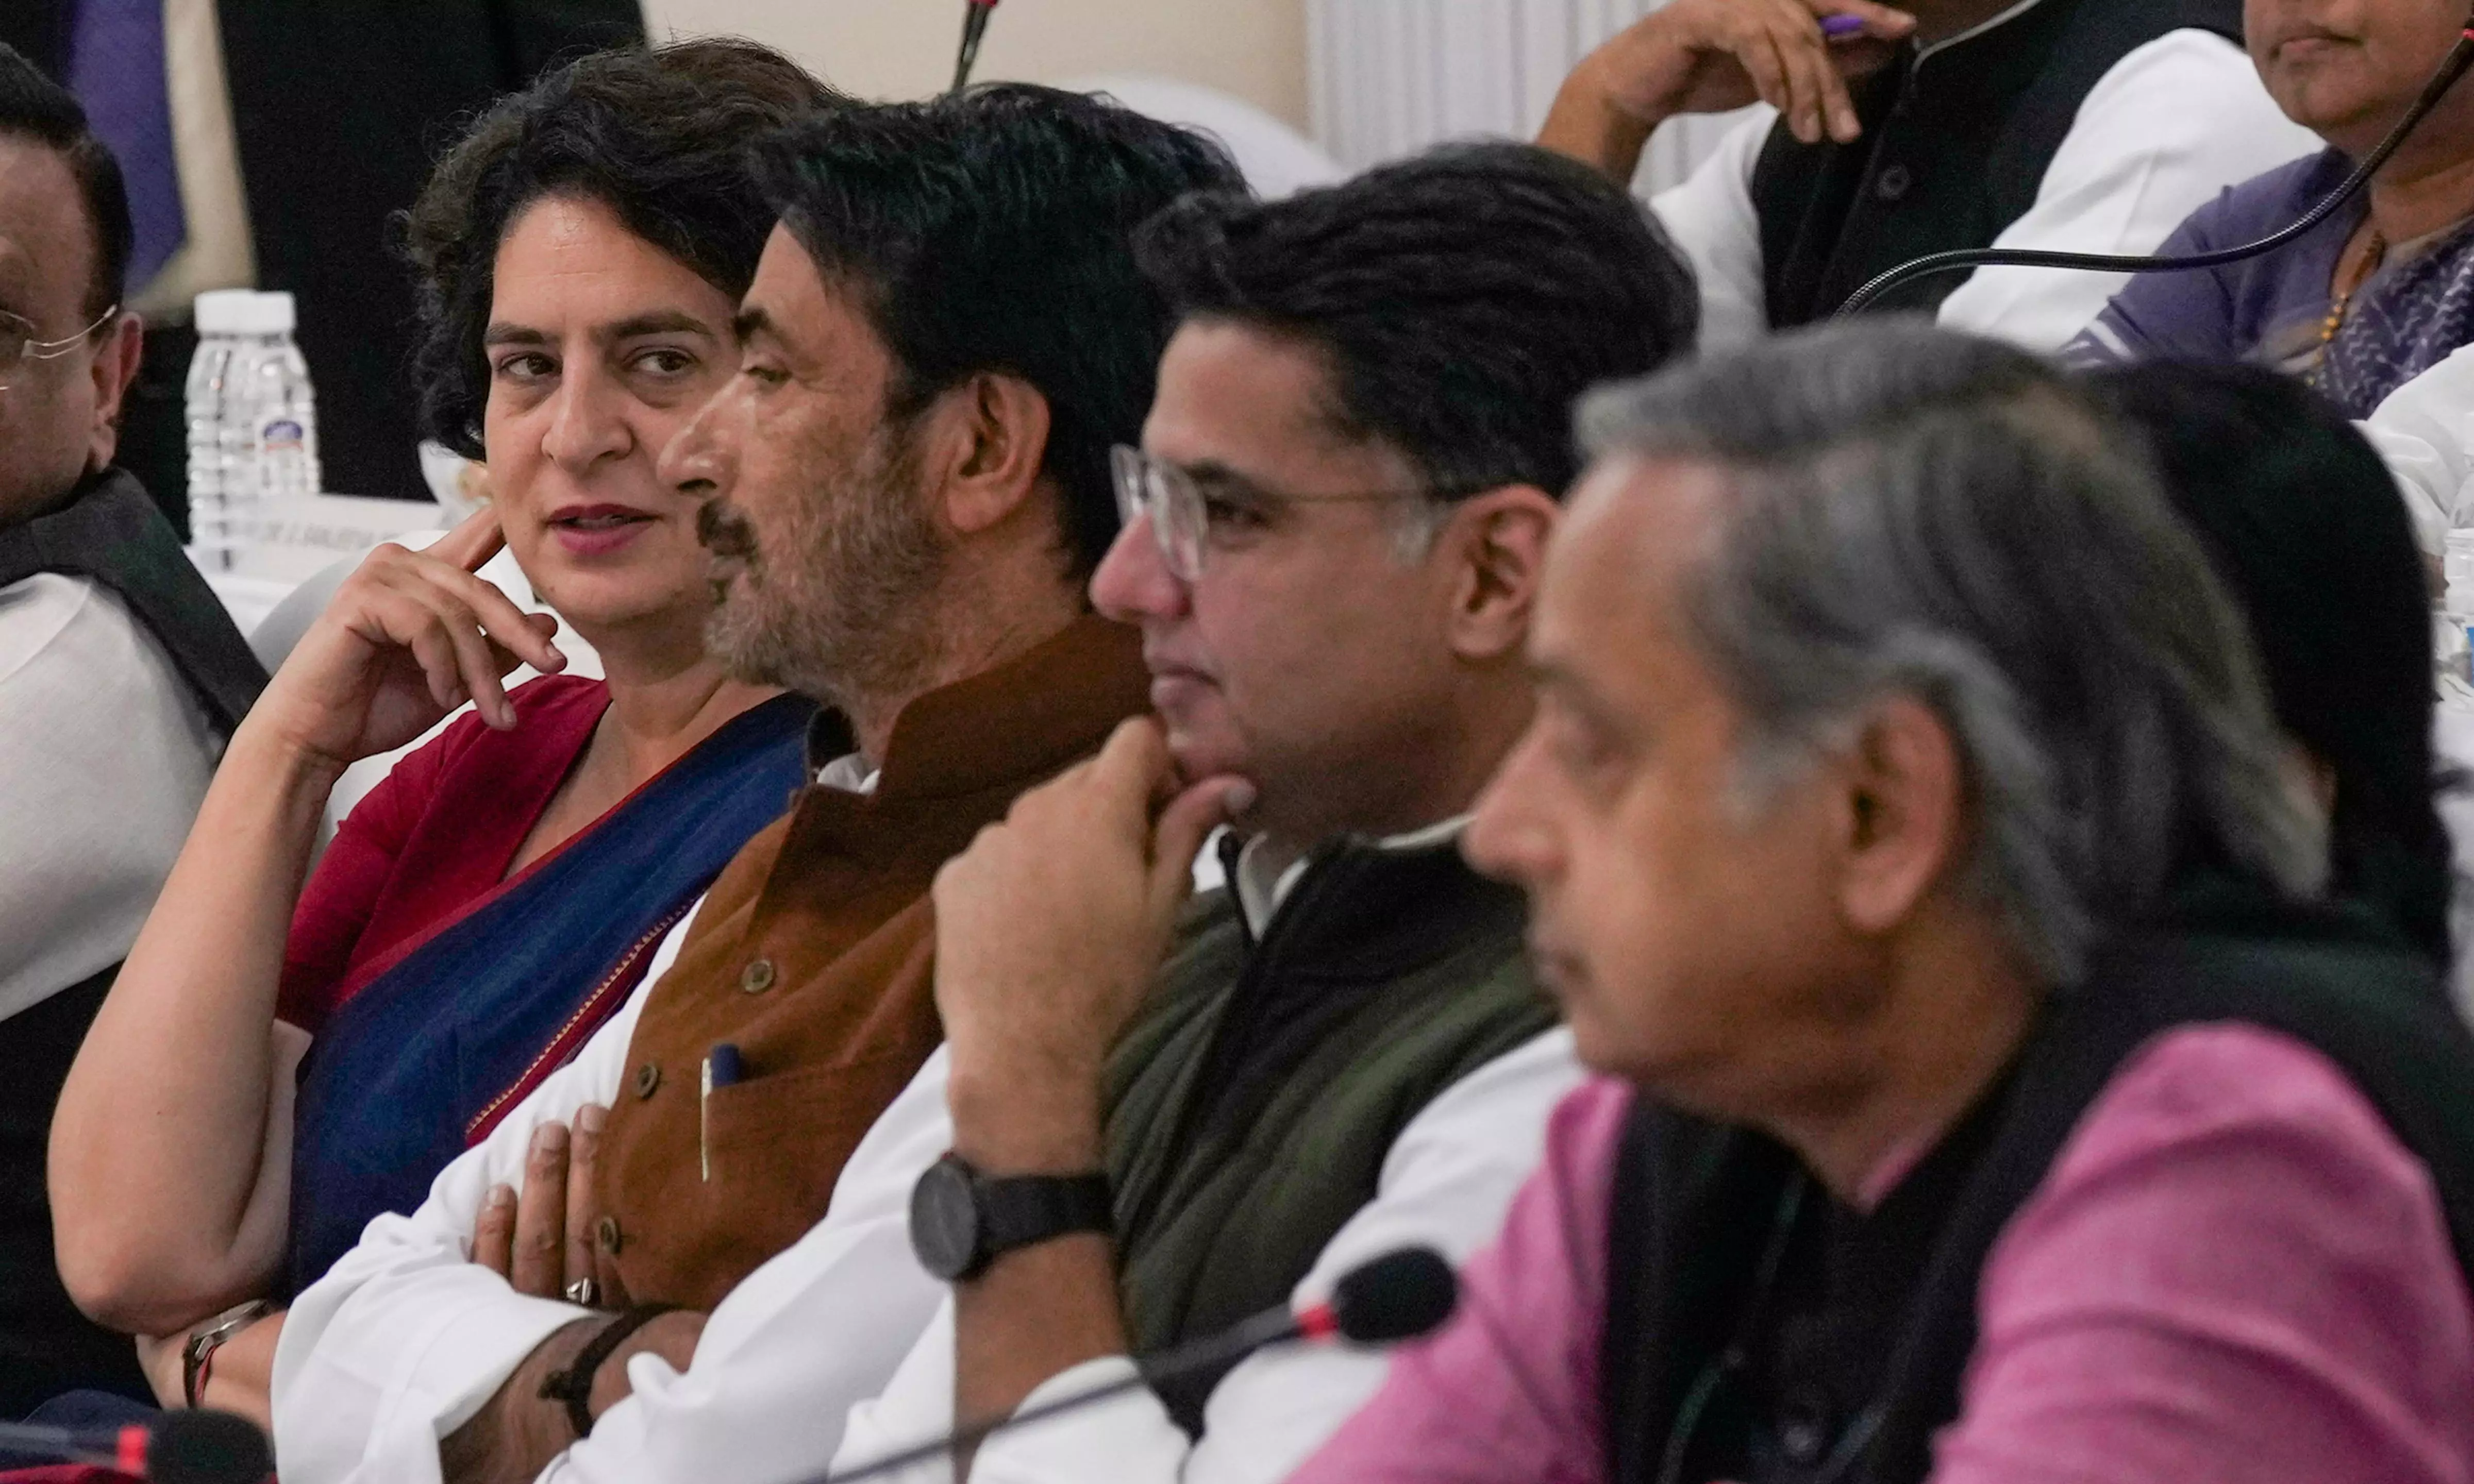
18, 345
1188, 522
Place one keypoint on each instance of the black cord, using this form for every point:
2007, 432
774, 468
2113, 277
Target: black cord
2458, 58
975, 25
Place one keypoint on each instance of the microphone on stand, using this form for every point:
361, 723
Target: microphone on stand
975, 25
176, 1448
1398, 1296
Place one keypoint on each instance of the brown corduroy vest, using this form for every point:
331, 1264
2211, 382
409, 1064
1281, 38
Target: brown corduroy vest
812, 955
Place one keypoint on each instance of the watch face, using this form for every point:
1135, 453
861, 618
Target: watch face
945, 1220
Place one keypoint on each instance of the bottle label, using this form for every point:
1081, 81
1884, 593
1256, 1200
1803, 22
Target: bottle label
281, 436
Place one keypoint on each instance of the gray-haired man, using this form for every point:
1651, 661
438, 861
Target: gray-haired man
1904, 824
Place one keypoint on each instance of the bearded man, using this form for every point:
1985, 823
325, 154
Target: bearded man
910, 484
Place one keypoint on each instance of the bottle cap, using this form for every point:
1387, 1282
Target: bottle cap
267, 314
221, 311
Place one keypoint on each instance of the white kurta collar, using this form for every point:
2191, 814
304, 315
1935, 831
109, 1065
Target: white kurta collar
1266, 872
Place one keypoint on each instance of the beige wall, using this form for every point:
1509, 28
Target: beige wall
1255, 48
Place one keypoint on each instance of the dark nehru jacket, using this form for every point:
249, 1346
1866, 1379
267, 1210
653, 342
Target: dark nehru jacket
109, 532
1756, 1329
1955, 144
1252, 1105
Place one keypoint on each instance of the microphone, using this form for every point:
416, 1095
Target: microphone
176, 1448
2451, 68
1405, 1293
975, 25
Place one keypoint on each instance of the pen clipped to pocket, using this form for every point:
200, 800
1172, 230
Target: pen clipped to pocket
722, 1069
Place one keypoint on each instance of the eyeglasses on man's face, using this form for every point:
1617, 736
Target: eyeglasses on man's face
1191, 521
20, 349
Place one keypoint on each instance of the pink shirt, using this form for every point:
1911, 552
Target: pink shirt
2233, 1272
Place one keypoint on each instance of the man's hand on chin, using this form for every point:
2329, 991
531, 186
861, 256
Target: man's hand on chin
1048, 931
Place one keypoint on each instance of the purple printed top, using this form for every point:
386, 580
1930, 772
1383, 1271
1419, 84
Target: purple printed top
2272, 309
2232, 1272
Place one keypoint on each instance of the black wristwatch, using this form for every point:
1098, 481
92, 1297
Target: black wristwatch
961, 1220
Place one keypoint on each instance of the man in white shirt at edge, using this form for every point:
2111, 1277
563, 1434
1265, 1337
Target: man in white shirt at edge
2176, 116
2425, 431
120, 679
1330, 545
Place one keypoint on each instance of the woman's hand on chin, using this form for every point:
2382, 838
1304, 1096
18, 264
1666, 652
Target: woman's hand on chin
409, 637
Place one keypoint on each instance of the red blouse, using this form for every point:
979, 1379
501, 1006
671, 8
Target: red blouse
436, 834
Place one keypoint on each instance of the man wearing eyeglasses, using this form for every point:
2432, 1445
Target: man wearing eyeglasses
120, 677
1331, 545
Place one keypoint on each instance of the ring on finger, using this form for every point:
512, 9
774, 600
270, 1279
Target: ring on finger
583, 1291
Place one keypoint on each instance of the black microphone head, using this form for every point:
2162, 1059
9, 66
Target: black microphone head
1398, 1296
208, 1448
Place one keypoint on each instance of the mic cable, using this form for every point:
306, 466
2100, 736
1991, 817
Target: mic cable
975, 25
1398, 1296
1931, 264
176, 1448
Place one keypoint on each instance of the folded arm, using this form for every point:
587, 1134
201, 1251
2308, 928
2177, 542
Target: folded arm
407, 1338
794, 1346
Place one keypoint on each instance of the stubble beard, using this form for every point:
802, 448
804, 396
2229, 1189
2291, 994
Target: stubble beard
841, 608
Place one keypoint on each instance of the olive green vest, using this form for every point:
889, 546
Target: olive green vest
1252, 1104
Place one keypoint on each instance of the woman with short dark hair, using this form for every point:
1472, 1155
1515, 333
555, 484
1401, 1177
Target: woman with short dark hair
581, 253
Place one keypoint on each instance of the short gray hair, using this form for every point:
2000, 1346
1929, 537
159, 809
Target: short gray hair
1919, 511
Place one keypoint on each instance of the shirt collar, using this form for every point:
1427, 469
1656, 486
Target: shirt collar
1265, 876
849, 773
1977, 30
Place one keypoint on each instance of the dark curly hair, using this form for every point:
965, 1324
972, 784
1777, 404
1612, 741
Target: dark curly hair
660, 135
1463, 299
991, 230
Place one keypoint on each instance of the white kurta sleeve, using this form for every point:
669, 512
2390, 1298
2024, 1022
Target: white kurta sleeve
2424, 430
2163, 132
405, 1337
1445, 1184
1712, 220
104, 758
804, 1338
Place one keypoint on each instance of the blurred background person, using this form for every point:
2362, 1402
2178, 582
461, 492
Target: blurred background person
581, 253
2078, 125
2383, 289
266, 145
120, 679
1908, 837
2303, 525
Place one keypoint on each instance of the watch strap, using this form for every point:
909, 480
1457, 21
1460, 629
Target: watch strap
198, 1355
573, 1385
1023, 1211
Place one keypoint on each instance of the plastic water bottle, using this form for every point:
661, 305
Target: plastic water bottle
270, 412
219, 317
2451, 650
